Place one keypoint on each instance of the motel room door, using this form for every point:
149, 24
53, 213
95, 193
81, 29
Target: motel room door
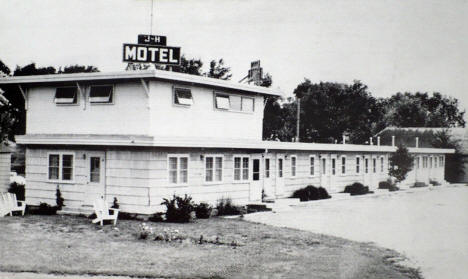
95, 175
268, 174
279, 175
325, 172
256, 184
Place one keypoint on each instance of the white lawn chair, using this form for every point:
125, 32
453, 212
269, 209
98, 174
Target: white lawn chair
102, 212
11, 204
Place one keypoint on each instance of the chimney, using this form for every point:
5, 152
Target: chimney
370, 141
393, 140
344, 139
417, 142
378, 141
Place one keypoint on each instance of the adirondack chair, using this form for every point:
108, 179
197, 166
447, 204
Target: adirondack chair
102, 212
11, 204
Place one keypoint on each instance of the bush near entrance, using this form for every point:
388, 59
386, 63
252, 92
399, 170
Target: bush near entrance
311, 193
357, 189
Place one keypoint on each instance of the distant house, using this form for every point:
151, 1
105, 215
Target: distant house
408, 135
141, 136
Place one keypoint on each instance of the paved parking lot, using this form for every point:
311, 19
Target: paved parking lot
428, 225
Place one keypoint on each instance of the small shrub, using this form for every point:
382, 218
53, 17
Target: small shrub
43, 209
59, 199
18, 190
203, 210
144, 231
115, 203
388, 185
357, 189
419, 184
434, 182
226, 207
311, 193
178, 209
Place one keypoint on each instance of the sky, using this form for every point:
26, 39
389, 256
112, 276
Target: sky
391, 46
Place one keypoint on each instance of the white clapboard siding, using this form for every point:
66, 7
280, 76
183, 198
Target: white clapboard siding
5, 161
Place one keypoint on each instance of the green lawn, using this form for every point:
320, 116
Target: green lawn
72, 245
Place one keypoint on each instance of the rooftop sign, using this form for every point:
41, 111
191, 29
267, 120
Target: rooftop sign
151, 49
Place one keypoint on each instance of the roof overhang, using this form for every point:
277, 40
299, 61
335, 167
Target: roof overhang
148, 141
146, 74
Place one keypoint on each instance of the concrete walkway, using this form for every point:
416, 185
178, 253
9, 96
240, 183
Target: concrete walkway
428, 225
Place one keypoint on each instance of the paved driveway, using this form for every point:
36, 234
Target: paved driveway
429, 225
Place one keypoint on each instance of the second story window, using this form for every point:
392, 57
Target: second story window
101, 94
66, 95
234, 102
183, 96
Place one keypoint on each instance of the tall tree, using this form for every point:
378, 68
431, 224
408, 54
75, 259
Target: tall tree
219, 70
422, 110
7, 118
78, 69
330, 110
188, 66
4, 70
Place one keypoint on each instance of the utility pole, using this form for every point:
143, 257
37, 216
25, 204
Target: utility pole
298, 117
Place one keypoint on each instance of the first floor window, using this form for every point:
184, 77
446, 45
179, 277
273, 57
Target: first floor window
267, 167
61, 167
435, 162
381, 164
213, 168
367, 165
293, 165
178, 169
280, 167
241, 168
343, 165
333, 166
357, 164
441, 161
312, 165
374, 165
324, 166
54, 166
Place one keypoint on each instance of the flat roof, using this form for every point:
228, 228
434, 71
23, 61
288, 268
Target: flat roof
149, 141
144, 74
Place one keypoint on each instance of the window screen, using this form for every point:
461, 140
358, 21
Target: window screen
66, 95
247, 104
101, 94
222, 102
183, 97
235, 102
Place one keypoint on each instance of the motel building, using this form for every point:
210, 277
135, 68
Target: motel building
141, 136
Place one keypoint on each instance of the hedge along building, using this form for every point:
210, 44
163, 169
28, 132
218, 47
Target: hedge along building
141, 136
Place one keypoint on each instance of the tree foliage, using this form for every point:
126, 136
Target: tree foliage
401, 163
218, 70
4, 70
330, 110
422, 110
78, 69
454, 163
